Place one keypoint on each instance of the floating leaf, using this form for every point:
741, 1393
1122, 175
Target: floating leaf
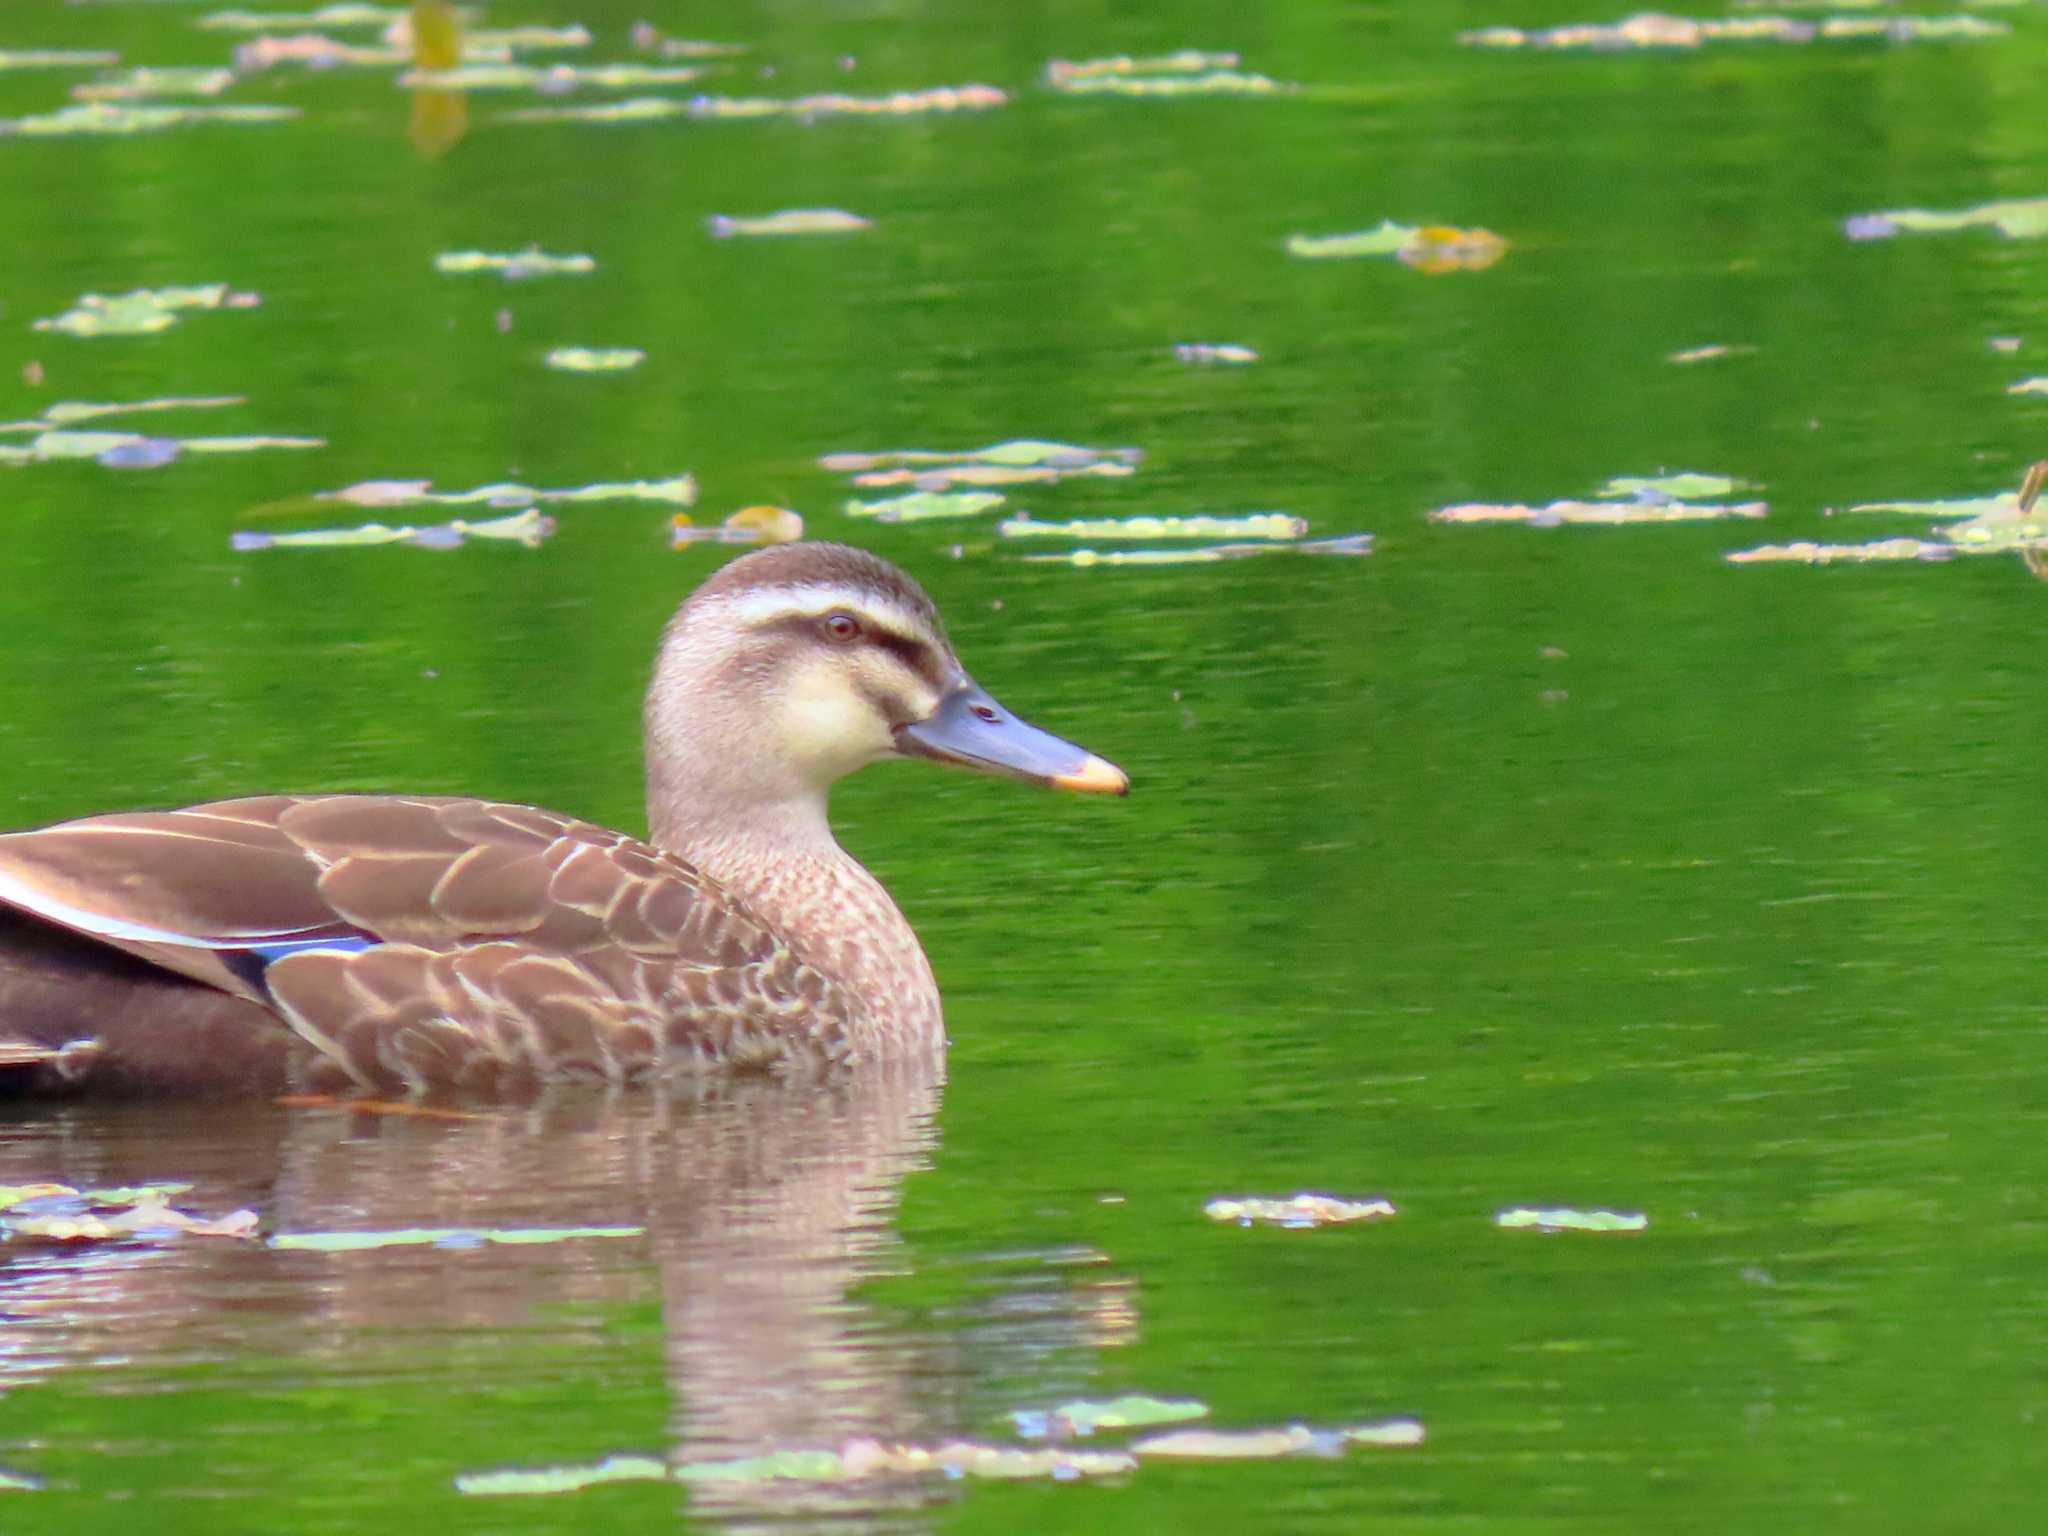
1085, 1418
1652, 30
1249, 525
938, 98
1440, 248
75, 1217
969, 1458
595, 359
939, 478
548, 77
531, 1480
1212, 352
19, 1482
12, 1195
69, 412
1390, 1432
135, 450
2037, 386
1265, 1444
790, 221
1804, 553
2024, 219
1083, 559
1022, 453
143, 312
1563, 1219
1683, 486
863, 1458
513, 265
1605, 514
2000, 533
328, 16
441, 1237
56, 58
1219, 82
1429, 248
2004, 503
311, 50
146, 81
1185, 61
99, 117
246, 444
925, 506
640, 109
680, 491
1302, 1210
486, 40
1384, 239
1706, 354
749, 525
528, 528
78, 445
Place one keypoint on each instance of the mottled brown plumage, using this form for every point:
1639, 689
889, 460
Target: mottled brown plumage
423, 941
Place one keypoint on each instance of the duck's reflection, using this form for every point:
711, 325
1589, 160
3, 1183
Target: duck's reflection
765, 1206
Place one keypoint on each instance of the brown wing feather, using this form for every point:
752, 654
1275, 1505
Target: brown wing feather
514, 941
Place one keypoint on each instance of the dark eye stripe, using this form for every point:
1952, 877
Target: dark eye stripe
914, 654
918, 655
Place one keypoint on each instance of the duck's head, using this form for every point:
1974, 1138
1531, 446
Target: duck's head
794, 665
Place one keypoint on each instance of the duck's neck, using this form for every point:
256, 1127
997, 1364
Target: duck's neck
784, 865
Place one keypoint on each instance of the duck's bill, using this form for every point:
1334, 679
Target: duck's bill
973, 730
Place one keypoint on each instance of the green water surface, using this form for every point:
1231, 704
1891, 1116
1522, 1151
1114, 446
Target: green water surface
1508, 866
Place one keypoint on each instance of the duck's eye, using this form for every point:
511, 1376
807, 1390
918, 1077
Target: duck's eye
842, 627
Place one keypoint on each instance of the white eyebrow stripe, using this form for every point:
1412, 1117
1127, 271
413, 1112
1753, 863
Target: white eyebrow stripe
815, 598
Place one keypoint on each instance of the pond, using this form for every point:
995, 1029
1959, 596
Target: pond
1541, 857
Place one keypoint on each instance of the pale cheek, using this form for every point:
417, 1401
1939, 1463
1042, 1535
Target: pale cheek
831, 730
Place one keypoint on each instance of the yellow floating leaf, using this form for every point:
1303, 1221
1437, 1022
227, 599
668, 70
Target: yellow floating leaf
142, 312
595, 359
749, 525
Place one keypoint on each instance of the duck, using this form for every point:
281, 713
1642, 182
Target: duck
416, 943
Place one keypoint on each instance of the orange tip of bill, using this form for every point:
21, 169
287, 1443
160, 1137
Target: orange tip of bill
1095, 776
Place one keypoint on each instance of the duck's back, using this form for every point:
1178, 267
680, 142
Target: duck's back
414, 941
